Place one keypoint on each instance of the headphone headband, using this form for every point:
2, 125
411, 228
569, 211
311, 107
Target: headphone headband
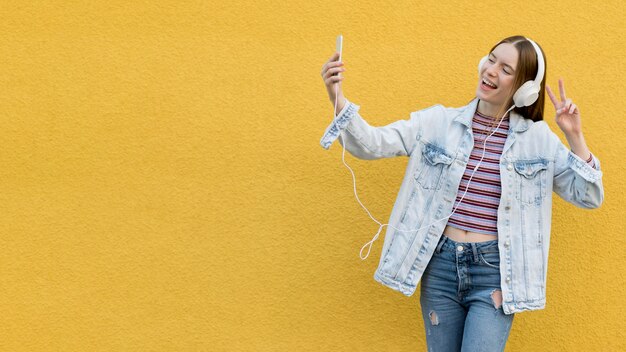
540, 64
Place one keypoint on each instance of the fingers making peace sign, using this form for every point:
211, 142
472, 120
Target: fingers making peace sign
567, 113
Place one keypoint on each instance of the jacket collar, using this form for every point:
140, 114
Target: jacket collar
517, 123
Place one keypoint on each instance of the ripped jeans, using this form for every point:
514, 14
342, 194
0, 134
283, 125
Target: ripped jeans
461, 298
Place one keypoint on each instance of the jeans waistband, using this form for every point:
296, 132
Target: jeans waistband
448, 244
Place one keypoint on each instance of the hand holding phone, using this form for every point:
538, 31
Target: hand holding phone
331, 75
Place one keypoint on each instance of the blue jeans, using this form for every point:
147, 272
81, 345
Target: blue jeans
461, 298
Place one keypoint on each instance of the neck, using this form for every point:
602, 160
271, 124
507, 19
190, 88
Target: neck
489, 109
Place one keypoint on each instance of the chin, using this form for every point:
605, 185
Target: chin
480, 95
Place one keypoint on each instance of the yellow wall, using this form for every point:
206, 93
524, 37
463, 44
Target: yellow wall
162, 186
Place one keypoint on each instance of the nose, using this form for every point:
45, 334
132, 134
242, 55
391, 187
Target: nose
490, 70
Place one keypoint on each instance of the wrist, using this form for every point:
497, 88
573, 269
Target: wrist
341, 102
574, 137
577, 143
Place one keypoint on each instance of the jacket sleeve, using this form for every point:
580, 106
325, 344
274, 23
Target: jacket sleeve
575, 180
368, 142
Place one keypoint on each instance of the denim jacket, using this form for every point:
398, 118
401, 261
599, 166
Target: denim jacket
438, 141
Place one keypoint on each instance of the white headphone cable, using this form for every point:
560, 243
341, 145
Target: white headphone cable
343, 159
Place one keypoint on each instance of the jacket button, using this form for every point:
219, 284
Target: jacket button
506, 244
509, 167
460, 248
508, 279
507, 207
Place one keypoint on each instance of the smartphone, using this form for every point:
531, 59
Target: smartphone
339, 45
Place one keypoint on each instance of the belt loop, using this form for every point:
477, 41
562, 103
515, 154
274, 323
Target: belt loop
475, 252
441, 242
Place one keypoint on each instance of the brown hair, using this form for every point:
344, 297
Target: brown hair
526, 70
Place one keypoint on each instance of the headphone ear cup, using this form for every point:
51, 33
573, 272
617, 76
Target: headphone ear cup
526, 95
481, 63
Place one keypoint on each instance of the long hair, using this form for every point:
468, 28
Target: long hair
527, 66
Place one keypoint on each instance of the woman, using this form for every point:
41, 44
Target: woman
482, 257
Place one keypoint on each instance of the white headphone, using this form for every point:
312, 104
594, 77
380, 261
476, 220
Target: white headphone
528, 92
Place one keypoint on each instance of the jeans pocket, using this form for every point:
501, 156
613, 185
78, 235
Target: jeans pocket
491, 259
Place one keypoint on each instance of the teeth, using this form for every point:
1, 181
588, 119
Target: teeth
489, 83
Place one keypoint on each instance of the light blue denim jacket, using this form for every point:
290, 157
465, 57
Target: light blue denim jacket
438, 141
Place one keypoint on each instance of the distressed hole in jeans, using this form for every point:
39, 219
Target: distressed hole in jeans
434, 319
496, 297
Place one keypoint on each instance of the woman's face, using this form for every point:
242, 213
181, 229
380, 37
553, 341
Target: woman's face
499, 69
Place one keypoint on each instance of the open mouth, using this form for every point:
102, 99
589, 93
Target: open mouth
487, 86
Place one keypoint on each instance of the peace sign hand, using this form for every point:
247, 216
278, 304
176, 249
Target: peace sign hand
567, 114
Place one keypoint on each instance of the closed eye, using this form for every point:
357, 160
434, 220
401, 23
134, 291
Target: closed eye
502, 69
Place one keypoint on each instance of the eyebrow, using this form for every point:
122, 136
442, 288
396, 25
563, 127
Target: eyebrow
505, 63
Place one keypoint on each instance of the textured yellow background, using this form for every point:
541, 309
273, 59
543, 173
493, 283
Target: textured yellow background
162, 187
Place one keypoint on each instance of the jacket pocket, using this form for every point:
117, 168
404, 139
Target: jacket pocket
532, 180
432, 167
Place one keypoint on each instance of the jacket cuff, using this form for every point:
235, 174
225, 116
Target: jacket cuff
338, 124
584, 169
591, 162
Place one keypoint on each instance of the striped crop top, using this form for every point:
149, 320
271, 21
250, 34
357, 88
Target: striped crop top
478, 212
